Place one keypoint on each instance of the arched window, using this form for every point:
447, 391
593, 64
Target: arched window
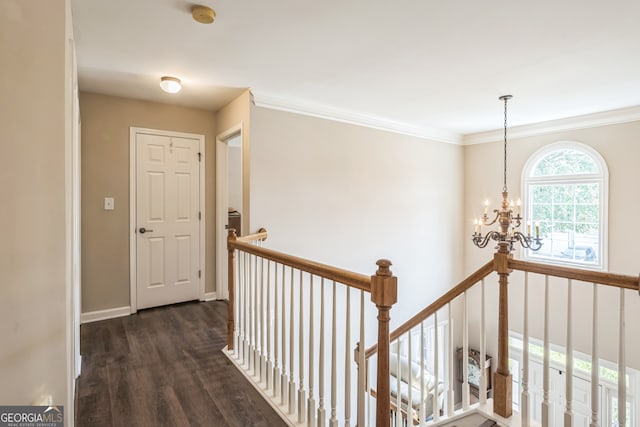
565, 185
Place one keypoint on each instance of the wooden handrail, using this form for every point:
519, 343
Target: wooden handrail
474, 278
354, 280
603, 278
382, 287
260, 235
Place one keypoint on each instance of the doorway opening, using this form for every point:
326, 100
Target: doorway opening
230, 211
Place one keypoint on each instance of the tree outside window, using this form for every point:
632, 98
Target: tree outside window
565, 186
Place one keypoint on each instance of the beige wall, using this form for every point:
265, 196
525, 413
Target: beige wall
33, 277
348, 195
620, 147
105, 172
238, 112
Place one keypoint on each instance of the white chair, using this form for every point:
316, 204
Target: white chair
414, 372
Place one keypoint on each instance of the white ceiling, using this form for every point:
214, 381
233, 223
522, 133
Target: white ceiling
435, 66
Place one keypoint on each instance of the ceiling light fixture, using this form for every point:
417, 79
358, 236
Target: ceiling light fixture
507, 235
170, 84
203, 14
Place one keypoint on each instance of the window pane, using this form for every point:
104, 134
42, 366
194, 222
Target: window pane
565, 162
614, 415
563, 193
586, 193
569, 220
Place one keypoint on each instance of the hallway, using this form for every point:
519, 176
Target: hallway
164, 367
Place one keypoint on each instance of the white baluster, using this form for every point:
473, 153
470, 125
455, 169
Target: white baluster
258, 319
622, 367
237, 308
410, 381
333, 421
568, 413
451, 381
284, 398
367, 388
276, 368
483, 347
398, 384
465, 352
302, 401
254, 318
524, 401
321, 410
347, 362
361, 370
247, 309
545, 373
311, 403
422, 408
268, 374
243, 314
292, 384
436, 368
595, 363
262, 322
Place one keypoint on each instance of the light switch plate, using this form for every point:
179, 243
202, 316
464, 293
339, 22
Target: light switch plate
109, 204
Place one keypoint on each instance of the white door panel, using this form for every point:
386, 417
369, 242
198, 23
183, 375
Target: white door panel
581, 402
167, 206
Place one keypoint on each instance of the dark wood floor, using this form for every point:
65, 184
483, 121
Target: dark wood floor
164, 367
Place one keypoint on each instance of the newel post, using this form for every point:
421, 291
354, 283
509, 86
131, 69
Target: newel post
384, 293
231, 237
502, 391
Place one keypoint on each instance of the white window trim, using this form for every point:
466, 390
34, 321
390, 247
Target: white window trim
602, 178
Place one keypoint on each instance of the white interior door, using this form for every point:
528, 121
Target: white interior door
581, 403
167, 220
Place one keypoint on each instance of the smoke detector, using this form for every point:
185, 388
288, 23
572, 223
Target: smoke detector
203, 14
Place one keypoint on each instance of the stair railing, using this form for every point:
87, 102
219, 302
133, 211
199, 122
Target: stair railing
273, 298
410, 375
265, 326
573, 276
415, 376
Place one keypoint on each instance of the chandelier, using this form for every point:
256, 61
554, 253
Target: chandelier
507, 234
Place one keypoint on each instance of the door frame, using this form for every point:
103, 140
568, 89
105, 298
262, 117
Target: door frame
222, 195
133, 131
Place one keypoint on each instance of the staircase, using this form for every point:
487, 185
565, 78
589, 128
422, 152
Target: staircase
297, 330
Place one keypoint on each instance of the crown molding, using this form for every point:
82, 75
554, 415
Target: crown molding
612, 117
358, 119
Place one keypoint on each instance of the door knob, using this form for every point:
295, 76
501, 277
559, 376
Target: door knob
144, 230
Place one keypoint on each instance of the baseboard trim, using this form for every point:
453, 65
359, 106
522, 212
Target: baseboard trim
210, 296
110, 313
281, 410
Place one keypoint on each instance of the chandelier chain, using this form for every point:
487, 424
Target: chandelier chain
504, 187
507, 217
